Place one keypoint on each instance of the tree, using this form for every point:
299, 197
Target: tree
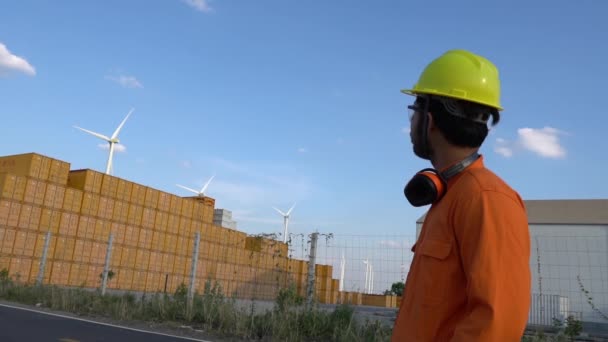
396, 289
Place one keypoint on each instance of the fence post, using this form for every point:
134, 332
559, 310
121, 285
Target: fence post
106, 266
310, 288
47, 240
193, 270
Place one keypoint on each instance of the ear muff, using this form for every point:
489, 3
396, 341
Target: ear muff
429, 186
426, 187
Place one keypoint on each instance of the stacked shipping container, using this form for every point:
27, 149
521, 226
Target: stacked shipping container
153, 236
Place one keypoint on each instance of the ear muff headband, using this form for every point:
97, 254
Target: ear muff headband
429, 186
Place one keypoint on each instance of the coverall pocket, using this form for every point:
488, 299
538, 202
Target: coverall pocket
436, 269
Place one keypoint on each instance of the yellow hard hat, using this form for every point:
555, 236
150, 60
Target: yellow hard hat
462, 75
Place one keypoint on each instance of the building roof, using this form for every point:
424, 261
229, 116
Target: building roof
564, 211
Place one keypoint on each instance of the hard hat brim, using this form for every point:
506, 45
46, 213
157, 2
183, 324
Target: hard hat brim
413, 92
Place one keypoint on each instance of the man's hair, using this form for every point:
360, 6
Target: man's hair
462, 123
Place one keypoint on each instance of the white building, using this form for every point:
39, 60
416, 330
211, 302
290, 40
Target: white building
569, 242
223, 218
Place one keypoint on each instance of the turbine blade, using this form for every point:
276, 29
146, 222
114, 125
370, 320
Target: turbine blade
290, 209
187, 188
280, 212
206, 185
100, 136
115, 135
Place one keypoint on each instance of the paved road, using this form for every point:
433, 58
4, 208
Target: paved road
23, 324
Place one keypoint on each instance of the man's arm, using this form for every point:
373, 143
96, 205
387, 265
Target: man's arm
492, 232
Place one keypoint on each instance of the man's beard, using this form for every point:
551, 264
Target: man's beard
421, 148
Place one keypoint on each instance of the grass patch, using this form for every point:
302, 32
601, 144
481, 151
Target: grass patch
211, 312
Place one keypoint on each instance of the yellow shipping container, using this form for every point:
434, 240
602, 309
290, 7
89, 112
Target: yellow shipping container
7, 240
131, 236
124, 279
158, 240
79, 253
7, 185
151, 199
119, 230
155, 264
148, 217
123, 191
116, 255
138, 194
167, 262
198, 210
54, 196
68, 222
28, 164
94, 275
109, 186
86, 180
34, 191
64, 248
102, 230
185, 226
19, 268
78, 274
172, 223
60, 273
39, 249
127, 258
142, 258
50, 220
90, 204
25, 243
72, 200
135, 214
86, 227
164, 201
120, 212
163, 221
170, 243
59, 171
98, 253
45, 169
145, 238
153, 282
187, 207
175, 205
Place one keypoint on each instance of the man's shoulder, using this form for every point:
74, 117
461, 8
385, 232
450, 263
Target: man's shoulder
485, 180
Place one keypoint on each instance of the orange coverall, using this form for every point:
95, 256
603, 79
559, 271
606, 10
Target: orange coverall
470, 277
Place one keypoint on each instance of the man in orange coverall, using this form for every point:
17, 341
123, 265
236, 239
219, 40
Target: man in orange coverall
470, 277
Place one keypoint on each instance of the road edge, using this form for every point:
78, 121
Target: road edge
44, 312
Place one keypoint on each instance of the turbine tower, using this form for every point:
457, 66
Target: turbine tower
285, 220
203, 189
342, 266
366, 262
113, 140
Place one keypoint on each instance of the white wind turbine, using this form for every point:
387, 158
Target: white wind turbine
203, 189
366, 262
113, 140
342, 266
285, 220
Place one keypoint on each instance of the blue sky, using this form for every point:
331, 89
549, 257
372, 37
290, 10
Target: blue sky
298, 101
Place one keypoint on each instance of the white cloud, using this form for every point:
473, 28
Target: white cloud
126, 81
117, 147
11, 62
302, 150
503, 148
186, 164
406, 130
543, 142
199, 5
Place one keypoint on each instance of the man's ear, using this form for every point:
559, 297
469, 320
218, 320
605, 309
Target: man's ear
431, 126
